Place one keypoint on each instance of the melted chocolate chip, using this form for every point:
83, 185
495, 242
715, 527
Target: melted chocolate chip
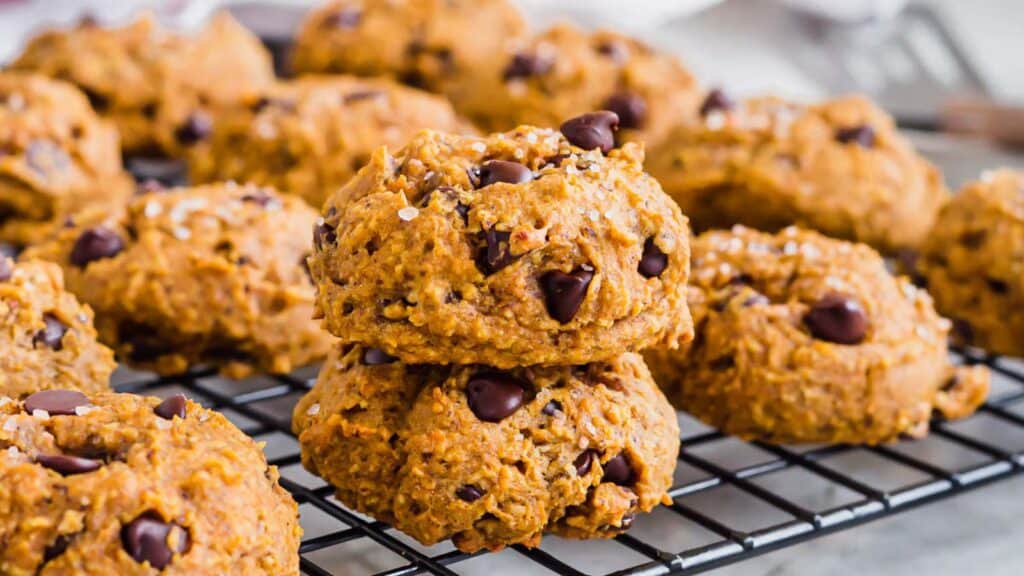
145, 539
618, 471
715, 100
630, 107
494, 396
52, 333
526, 65
836, 318
469, 493
593, 130
6, 269
495, 254
653, 261
584, 462
344, 18
95, 244
495, 171
564, 293
171, 406
863, 135
551, 408
324, 234
67, 465
196, 128
376, 357
56, 402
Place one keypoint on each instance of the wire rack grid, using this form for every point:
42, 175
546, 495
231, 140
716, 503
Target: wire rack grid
731, 500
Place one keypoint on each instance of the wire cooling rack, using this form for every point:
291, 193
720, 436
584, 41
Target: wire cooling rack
730, 500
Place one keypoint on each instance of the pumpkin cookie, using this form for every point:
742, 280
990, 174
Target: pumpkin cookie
801, 338
527, 247
490, 458
122, 484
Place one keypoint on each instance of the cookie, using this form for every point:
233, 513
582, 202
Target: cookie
424, 43
526, 247
566, 71
490, 458
802, 338
48, 339
159, 87
208, 275
839, 167
123, 484
972, 262
56, 157
309, 136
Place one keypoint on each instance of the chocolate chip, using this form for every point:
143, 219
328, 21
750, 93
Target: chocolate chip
59, 546
171, 406
495, 171
463, 211
996, 285
564, 293
52, 334
630, 107
145, 539
863, 135
196, 128
551, 408
67, 465
95, 244
614, 49
963, 332
259, 197
365, 94
494, 396
836, 318
653, 261
495, 254
618, 471
593, 130
8, 250
98, 101
324, 234
56, 402
469, 493
555, 161
974, 238
584, 462
6, 269
715, 100
376, 357
526, 65
344, 18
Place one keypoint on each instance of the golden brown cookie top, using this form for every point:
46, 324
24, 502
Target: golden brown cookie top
518, 248
109, 481
49, 340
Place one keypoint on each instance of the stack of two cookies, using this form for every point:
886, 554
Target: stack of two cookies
488, 294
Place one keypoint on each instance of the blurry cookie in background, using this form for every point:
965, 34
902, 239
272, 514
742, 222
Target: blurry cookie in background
159, 87
839, 167
308, 136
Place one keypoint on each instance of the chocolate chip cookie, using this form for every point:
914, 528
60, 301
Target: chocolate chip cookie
48, 339
122, 484
839, 167
159, 87
565, 71
490, 458
426, 43
309, 136
972, 262
56, 157
207, 275
525, 247
802, 338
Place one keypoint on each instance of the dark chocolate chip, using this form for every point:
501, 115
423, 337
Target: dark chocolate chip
376, 357
584, 462
52, 333
344, 18
715, 100
365, 94
463, 211
495, 171
96, 244
469, 493
98, 101
67, 465
495, 254
58, 547
526, 65
653, 261
963, 332
145, 539
555, 161
551, 408
260, 197
630, 107
593, 130
996, 285
6, 269
564, 293
8, 250
56, 402
494, 396
171, 406
618, 471
837, 318
324, 234
863, 135
614, 49
196, 128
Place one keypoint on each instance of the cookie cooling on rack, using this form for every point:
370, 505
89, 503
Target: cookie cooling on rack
801, 338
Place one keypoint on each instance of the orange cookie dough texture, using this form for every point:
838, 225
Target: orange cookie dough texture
309, 136
56, 157
48, 340
490, 458
423, 43
973, 265
159, 87
515, 249
801, 338
127, 485
207, 275
566, 71
839, 167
